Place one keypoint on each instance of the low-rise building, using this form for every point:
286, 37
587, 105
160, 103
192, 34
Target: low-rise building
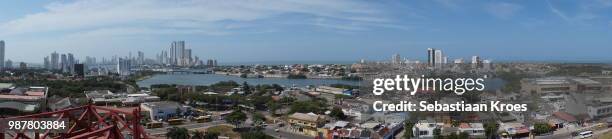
306, 124
475, 130
425, 129
24, 100
162, 110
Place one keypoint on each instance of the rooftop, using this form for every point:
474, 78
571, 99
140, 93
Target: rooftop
306, 117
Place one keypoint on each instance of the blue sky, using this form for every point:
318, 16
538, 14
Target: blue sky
311, 30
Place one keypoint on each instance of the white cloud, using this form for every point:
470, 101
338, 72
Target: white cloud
105, 16
503, 10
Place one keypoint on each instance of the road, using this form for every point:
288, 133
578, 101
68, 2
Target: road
189, 125
567, 134
281, 134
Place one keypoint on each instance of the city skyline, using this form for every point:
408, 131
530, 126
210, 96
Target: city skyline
293, 31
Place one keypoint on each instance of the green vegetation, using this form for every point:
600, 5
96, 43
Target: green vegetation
236, 117
315, 106
352, 78
337, 113
408, 129
541, 128
224, 130
576, 69
177, 133
255, 135
513, 80
491, 129
296, 76
437, 133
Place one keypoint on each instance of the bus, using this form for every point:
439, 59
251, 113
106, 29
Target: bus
154, 125
175, 121
202, 119
585, 134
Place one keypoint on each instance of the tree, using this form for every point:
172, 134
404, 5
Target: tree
236, 117
408, 129
437, 133
258, 119
541, 128
463, 135
211, 135
246, 88
273, 106
337, 113
177, 133
197, 135
491, 129
452, 136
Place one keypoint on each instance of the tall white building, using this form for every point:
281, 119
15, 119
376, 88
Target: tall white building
177, 53
2, 54
475, 61
396, 59
439, 58
123, 66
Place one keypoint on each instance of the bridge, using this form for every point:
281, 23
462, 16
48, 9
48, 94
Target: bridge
86, 122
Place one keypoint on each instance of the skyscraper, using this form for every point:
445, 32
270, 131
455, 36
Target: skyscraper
177, 53
2, 53
70, 63
63, 63
439, 57
475, 61
55, 61
187, 58
140, 58
47, 63
396, 59
431, 59
9, 64
123, 66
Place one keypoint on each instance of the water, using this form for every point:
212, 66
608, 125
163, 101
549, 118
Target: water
208, 79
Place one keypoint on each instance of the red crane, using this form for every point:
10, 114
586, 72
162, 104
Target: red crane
87, 122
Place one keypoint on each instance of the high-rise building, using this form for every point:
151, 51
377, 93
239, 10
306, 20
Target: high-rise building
55, 64
396, 59
70, 63
47, 64
9, 64
79, 70
439, 58
23, 65
475, 61
123, 66
140, 59
2, 52
187, 61
431, 58
64, 63
177, 53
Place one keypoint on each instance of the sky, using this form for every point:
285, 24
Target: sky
311, 30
